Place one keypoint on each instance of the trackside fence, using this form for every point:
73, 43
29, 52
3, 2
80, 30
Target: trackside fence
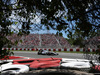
49, 49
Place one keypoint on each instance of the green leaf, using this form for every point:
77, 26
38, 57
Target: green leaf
12, 32
16, 23
65, 17
60, 34
16, 42
21, 41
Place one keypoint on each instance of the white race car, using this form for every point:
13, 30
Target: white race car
45, 52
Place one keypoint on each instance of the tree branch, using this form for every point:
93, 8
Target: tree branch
96, 26
62, 23
84, 13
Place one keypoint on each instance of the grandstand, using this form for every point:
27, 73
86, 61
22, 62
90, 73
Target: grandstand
39, 41
92, 43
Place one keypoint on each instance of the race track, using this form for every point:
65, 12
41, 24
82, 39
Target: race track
61, 55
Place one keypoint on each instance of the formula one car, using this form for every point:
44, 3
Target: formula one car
45, 52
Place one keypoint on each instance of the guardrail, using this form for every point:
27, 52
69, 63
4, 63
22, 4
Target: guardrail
49, 49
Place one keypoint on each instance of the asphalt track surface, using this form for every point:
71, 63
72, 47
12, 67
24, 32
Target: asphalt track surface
61, 55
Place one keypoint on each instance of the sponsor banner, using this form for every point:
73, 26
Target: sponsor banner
18, 49
62, 49
78, 50
74, 50
14, 49
68, 49
59, 49
51, 49
81, 50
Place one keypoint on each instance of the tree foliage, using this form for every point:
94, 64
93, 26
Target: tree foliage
81, 16
76, 39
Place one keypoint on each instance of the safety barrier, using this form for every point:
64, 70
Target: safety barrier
49, 49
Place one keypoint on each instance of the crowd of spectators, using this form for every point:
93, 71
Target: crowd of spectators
92, 42
49, 40
30, 40
37, 40
13, 38
63, 42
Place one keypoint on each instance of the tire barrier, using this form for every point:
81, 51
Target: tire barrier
48, 49
12, 57
75, 63
78, 65
65, 60
13, 69
24, 65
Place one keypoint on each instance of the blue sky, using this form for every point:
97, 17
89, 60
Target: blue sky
37, 20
